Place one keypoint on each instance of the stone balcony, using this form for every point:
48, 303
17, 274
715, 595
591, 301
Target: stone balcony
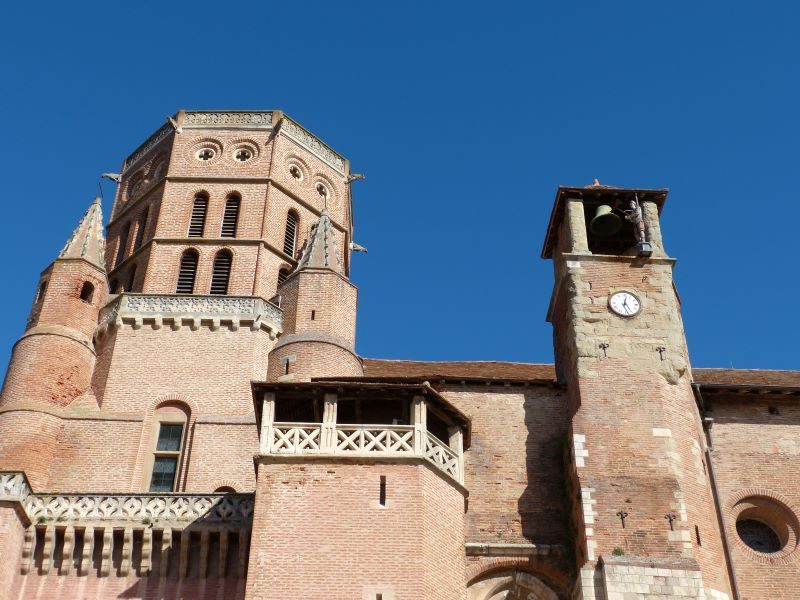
66, 530
412, 419
192, 311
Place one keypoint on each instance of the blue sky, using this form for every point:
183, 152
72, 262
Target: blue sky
465, 118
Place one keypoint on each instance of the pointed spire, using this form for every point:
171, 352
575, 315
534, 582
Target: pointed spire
87, 240
320, 251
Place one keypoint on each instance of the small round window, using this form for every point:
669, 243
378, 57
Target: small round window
205, 154
295, 172
243, 155
322, 190
758, 536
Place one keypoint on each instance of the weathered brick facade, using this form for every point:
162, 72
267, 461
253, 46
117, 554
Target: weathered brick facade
185, 415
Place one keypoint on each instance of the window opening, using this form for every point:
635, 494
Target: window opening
382, 498
222, 273
187, 273
283, 275
230, 218
87, 291
295, 172
40, 293
697, 535
243, 155
167, 454
131, 278
197, 222
140, 230
205, 154
758, 535
290, 239
313, 315
123, 245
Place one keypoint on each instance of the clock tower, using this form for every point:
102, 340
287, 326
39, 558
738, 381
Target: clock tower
639, 488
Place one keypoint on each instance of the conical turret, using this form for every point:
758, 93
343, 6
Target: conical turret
320, 251
87, 241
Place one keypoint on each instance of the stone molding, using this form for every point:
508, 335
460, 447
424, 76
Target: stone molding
254, 119
148, 145
194, 311
490, 549
313, 144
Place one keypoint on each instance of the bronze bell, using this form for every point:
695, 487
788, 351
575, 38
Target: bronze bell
605, 222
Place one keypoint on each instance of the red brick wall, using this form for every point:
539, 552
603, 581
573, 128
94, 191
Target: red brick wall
12, 531
319, 532
755, 454
28, 441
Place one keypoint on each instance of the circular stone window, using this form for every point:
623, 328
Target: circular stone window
243, 154
205, 154
766, 527
295, 172
758, 536
322, 190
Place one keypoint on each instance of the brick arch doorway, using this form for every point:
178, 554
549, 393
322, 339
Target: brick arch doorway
510, 585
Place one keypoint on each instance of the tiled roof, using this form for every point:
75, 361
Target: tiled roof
378, 368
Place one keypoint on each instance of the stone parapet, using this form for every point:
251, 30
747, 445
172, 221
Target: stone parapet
192, 311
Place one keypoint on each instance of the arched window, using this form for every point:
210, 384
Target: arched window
197, 223
123, 244
290, 240
283, 275
87, 292
225, 489
187, 272
140, 230
131, 278
222, 272
40, 293
230, 219
168, 447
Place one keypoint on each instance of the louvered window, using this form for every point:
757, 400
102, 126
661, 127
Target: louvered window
140, 231
290, 240
123, 245
230, 219
222, 273
198, 221
187, 273
283, 275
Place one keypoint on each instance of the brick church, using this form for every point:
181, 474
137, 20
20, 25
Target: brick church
185, 414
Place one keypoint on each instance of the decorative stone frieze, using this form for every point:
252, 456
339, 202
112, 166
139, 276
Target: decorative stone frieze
193, 311
227, 119
14, 486
313, 144
148, 145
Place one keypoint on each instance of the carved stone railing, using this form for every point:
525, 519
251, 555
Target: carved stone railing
249, 119
361, 440
149, 509
178, 311
387, 439
14, 487
441, 455
312, 143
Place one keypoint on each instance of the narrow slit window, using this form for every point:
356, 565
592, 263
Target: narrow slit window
290, 239
230, 218
140, 231
382, 493
221, 275
313, 315
123, 245
187, 273
197, 222
167, 457
697, 535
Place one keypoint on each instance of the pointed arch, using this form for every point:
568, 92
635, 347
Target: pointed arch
187, 272
220, 276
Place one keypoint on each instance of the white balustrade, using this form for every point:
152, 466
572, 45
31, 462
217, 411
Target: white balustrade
362, 440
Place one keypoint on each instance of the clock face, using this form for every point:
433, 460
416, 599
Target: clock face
625, 304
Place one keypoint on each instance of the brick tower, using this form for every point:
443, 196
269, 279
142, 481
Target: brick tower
642, 496
53, 362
